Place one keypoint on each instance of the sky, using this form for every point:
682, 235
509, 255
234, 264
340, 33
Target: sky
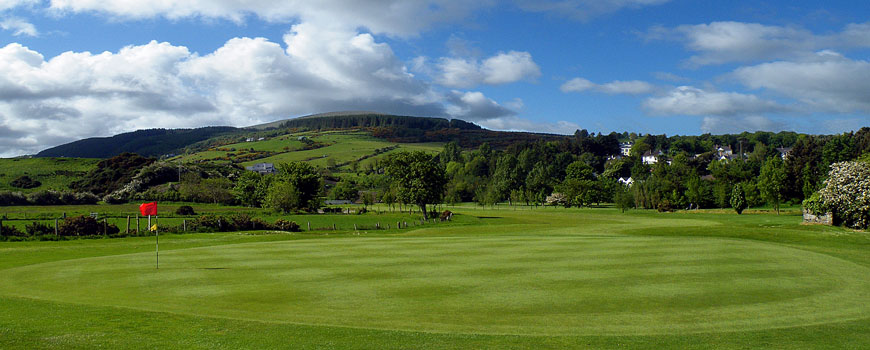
72, 69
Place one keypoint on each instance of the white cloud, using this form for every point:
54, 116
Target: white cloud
503, 68
828, 83
634, 87
723, 42
393, 17
515, 123
733, 125
246, 81
18, 26
474, 106
687, 100
10, 4
584, 9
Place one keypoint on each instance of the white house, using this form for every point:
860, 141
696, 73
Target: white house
650, 157
262, 168
628, 182
625, 148
785, 152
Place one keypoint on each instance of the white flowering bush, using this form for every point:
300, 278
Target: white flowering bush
847, 193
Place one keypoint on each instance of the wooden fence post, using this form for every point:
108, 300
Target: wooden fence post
184, 225
55, 227
309, 226
128, 224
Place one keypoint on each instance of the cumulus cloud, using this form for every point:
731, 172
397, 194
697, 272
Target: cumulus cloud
828, 83
687, 100
584, 9
44, 102
503, 68
515, 123
18, 26
616, 87
723, 42
392, 17
734, 125
10, 4
474, 106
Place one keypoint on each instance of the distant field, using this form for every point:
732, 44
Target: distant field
53, 173
547, 278
339, 147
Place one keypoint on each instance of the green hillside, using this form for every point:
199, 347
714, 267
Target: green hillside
334, 149
53, 173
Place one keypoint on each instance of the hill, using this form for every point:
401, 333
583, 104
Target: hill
392, 128
150, 142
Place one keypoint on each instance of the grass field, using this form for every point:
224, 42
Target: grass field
339, 147
501, 279
53, 173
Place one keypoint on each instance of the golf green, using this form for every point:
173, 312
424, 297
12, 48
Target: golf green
524, 285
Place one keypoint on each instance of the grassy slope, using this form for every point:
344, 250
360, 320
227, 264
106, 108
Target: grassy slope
341, 146
44, 170
512, 261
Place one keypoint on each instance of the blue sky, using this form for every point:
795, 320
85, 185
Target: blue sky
71, 69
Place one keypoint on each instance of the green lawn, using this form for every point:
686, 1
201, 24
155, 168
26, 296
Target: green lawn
53, 173
505, 278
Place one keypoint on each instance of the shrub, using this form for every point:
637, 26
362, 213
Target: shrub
185, 210
39, 229
208, 223
12, 198
664, 206
44, 198
815, 205
79, 226
738, 199
285, 225
25, 181
847, 193
11, 231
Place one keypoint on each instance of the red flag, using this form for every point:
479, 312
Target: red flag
148, 208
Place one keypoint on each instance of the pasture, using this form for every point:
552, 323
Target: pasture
53, 173
494, 278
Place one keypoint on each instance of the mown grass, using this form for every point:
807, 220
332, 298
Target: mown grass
53, 173
506, 279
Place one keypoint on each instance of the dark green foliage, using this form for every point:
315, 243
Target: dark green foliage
296, 187
112, 174
151, 143
623, 198
85, 226
772, 181
12, 198
738, 199
320, 122
344, 190
284, 225
39, 229
47, 198
417, 178
185, 210
25, 182
10, 231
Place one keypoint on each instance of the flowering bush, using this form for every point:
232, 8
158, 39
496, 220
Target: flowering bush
847, 193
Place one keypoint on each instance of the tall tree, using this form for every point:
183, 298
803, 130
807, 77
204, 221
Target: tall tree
304, 179
417, 178
771, 182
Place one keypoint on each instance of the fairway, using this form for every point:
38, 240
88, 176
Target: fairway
581, 284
